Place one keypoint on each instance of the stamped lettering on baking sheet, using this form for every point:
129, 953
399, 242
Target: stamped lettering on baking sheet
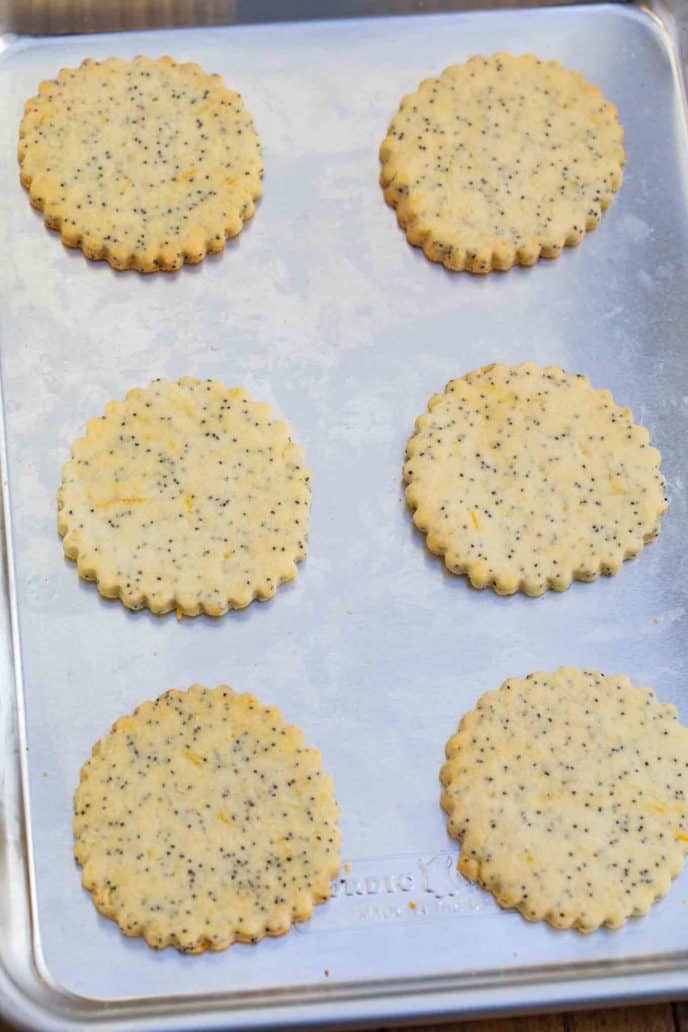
411, 887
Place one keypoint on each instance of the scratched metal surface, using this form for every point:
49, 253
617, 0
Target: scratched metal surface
322, 309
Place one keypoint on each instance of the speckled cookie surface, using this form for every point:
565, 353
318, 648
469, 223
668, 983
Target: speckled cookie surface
186, 496
500, 161
202, 819
526, 478
569, 795
146, 163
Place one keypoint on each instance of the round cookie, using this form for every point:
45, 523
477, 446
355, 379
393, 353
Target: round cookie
569, 795
146, 163
186, 496
501, 160
202, 819
526, 478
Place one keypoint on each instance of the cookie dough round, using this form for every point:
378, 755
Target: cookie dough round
146, 163
500, 161
185, 496
569, 795
526, 478
202, 819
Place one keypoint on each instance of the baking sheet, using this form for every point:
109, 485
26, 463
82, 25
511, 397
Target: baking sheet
322, 309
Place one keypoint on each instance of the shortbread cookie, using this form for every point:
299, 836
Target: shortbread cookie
501, 160
569, 795
185, 496
145, 163
526, 478
203, 820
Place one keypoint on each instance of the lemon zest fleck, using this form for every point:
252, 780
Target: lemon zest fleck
189, 174
119, 501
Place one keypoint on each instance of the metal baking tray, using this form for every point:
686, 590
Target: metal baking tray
322, 309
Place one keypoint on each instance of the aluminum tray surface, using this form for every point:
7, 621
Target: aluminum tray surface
322, 309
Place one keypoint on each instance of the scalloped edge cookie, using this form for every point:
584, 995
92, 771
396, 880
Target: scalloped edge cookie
70, 205
160, 468
496, 530
480, 229
129, 857
568, 793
